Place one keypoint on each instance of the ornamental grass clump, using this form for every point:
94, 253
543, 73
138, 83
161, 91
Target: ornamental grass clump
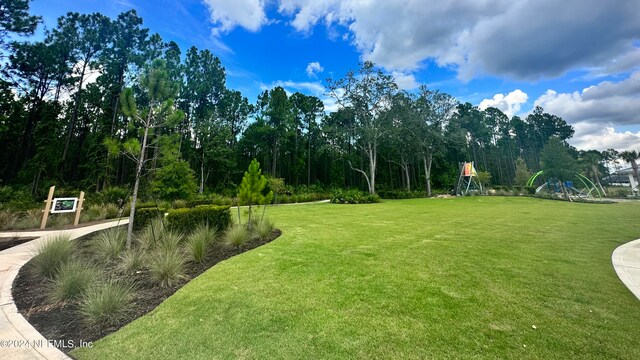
263, 229
131, 260
170, 241
108, 244
52, 254
106, 304
72, 281
198, 242
166, 267
151, 234
237, 236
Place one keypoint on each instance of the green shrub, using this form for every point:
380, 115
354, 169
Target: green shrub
131, 260
8, 219
94, 213
72, 280
263, 229
151, 234
185, 220
237, 236
58, 221
145, 215
401, 194
52, 254
106, 304
31, 219
179, 204
199, 240
16, 199
354, 197
166, 267
111, 210
112, 194
108, 244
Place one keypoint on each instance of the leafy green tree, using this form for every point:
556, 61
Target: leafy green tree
367, 92
558, 163
251, 189
522, 172
15, 18
160, 92
174, 179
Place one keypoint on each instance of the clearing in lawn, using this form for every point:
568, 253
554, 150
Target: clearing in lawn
485, 277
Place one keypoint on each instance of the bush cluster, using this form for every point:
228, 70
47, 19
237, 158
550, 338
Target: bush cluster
401, 194
353, 196
514, 190
185, 220
145, 215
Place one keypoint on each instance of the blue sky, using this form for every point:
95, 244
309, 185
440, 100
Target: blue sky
579, 59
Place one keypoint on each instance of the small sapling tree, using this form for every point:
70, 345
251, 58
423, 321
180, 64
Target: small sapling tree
159, 91
251, 188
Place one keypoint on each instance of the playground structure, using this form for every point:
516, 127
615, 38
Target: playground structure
553, 186
468, 180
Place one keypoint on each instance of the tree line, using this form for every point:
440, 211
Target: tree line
77, 108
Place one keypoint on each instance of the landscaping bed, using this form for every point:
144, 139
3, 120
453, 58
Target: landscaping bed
62, 321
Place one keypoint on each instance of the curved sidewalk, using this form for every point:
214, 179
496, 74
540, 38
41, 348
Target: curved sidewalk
626, 262
18, 339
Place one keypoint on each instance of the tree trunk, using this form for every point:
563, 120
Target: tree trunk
427, 172
134, 197
74, 117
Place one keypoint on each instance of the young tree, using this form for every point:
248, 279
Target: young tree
251, 188
558, 163
368, 93
174, 179
160, 112
522, 172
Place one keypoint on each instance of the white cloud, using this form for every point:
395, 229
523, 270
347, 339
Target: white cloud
596, 111
604, 103
308, 88
605, 138
227, 14
405, 81
313, 68
509, 104
500, 37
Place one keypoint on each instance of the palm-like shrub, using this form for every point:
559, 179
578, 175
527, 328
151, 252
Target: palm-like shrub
72, 280
106, 303
198, 241
52, 254
108, 244
167, 267
237, 236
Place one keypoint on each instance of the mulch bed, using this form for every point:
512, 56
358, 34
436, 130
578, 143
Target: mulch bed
62, 321
7, 242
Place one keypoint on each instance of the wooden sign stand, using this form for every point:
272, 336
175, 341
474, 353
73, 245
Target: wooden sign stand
47, 208
79, 209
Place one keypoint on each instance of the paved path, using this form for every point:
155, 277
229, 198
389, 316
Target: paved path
626, 261
18, 339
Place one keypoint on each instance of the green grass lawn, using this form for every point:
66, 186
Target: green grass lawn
422, 278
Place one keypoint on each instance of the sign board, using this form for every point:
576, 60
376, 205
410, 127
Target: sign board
64, 205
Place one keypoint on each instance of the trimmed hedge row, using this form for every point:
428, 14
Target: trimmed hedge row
402, 194
185, 220
354, 197
145, 215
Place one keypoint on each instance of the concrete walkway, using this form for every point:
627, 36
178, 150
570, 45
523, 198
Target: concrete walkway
626, 262
18, 339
